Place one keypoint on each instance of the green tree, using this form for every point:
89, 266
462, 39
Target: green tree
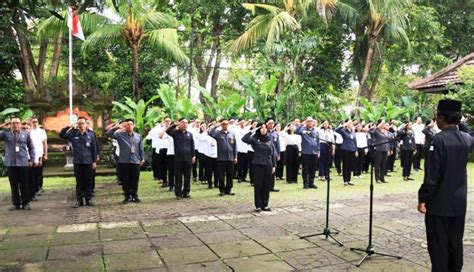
138, 22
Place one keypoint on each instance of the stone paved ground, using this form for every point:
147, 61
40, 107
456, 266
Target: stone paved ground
210, 233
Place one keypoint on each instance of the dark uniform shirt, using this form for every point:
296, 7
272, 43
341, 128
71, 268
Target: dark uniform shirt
18, 148
428, 136
349, 139
408, 139
131, 146
276, 141
380, 139
444, 189
84, 145
226, 144
184, 150
264, 150
309, 140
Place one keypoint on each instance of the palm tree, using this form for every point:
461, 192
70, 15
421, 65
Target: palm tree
136, 22
378, 20
272, 20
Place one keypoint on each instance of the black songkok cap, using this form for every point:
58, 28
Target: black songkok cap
449, 105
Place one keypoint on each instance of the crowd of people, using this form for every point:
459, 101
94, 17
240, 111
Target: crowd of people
219, 152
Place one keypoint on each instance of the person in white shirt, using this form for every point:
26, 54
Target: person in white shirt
242, 166
209, 149
292, 152
281, 163
327, 149
195, 127
168, 141
362, 149
419, 141
338, 153
155, 145
40, 144
251, 152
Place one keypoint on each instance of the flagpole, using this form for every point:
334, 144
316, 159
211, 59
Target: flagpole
70, 75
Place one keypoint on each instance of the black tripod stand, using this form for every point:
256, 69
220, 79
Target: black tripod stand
327, 231
370, 250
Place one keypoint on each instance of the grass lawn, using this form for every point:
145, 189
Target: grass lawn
151, 192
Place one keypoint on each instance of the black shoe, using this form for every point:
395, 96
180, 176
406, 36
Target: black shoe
136, 200
27, 207
243, 180
312, 186
230, 193
305, 186
119, 183
274, 190
408, 178
387, 175
350, 183
221, 194
78, 204
13, 208
383, 181
346, 183
89, 203
378, 181
164, 185
258, 210
126, 200
266, 209
34, 199
178, 197
186, 196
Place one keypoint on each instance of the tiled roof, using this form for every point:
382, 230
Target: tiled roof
439, 81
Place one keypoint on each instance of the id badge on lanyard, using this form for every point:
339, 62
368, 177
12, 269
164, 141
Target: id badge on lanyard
132, 145
17, 147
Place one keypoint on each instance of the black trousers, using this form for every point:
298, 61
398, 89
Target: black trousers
117, 169
308, 163
444, 235
201, 166
130, 174
325, 159
242, 166
154, 163
263, 184
210, 171
369, 160
83, 174
407, 160
280, 165
391, 160
162, 169
18, 177
35, 180
170, 166
360, 160
225, 175
250, 159
380, 164
348, 164
338, 159
291, 163
195, 166
182, 177
418, 156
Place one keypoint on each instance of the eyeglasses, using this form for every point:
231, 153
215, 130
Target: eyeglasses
81, 123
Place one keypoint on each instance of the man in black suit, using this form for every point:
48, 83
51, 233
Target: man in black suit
442, 196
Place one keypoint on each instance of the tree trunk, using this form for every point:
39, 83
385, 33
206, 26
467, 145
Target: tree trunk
41, 62
25, 63
53, 71
215, 74
135, 72
364, 91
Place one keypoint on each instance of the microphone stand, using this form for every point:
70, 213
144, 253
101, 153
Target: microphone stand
327, 231
370, 250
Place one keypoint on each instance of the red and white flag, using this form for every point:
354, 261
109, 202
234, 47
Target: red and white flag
74, 24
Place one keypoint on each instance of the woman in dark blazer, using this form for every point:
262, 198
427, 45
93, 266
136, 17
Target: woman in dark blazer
263, 164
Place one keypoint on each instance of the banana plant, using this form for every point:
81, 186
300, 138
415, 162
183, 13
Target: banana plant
145, 116
228, 107
22, 114
181, 108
